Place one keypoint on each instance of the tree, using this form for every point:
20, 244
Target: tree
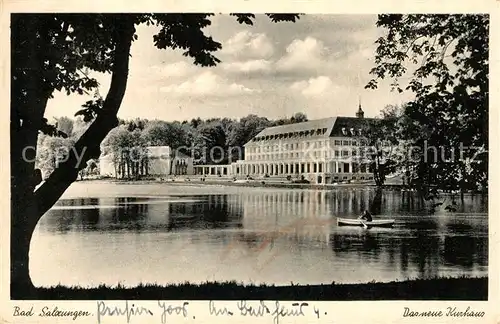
215, 139
136, 124
51, 151
381, 137
127, 150
92, 168
195, 122
65, 125
298, 118
245, 130
162, 133
53, 52
448, 119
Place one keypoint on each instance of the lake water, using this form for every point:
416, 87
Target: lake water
160, 233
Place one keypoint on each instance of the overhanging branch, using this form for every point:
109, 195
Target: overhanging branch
88, 144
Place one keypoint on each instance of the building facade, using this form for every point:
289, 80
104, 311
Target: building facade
321, 151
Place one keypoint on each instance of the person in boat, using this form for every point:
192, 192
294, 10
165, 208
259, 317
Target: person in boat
366, 216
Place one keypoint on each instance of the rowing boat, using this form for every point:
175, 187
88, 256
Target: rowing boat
360, 222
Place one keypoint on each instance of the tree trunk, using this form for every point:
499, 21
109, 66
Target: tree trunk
87, 146
26, 119
28, 206
376, 204
376, 173
23, 206
21, 233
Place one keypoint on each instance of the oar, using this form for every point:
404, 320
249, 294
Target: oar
364, 224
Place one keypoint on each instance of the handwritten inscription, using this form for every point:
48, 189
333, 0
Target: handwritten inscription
167, 309
448, 312
47, 311
218, 311
128, 311
251, 310
275, 310
282, 311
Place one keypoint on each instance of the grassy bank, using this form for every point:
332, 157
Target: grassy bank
421, 289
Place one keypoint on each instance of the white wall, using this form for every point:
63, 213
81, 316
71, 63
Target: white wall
106, 167
159, 167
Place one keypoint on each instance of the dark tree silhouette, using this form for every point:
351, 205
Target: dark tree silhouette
446, 59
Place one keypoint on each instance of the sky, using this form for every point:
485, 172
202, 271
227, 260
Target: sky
318, 65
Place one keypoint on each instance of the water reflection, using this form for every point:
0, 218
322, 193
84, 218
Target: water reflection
273, 236
127, 213
465, 251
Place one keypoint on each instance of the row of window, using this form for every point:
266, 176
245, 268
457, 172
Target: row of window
349, 142
298, 168
305, 133
277, 169
313, 154
296, 146
311, 132
351, 131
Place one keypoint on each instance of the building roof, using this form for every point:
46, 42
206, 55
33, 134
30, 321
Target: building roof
300, 127
345, 125
326, 127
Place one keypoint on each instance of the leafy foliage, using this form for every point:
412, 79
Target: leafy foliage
51, 130
127, 150
382, 138
90, 109
92, 169
52, 150
161, 133
447, 59
65, 125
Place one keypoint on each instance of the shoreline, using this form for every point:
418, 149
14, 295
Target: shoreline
231, 183
259, 184
461, 288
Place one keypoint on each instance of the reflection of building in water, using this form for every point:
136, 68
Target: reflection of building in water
295, 214
197, 212
96, 214
420, 256
465, 251
349, 202
122, 212
213, 211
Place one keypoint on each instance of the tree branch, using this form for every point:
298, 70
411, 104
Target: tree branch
87, 146
413, 43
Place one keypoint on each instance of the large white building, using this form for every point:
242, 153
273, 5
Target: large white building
322, 151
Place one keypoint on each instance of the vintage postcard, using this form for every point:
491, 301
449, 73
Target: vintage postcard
250, 162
